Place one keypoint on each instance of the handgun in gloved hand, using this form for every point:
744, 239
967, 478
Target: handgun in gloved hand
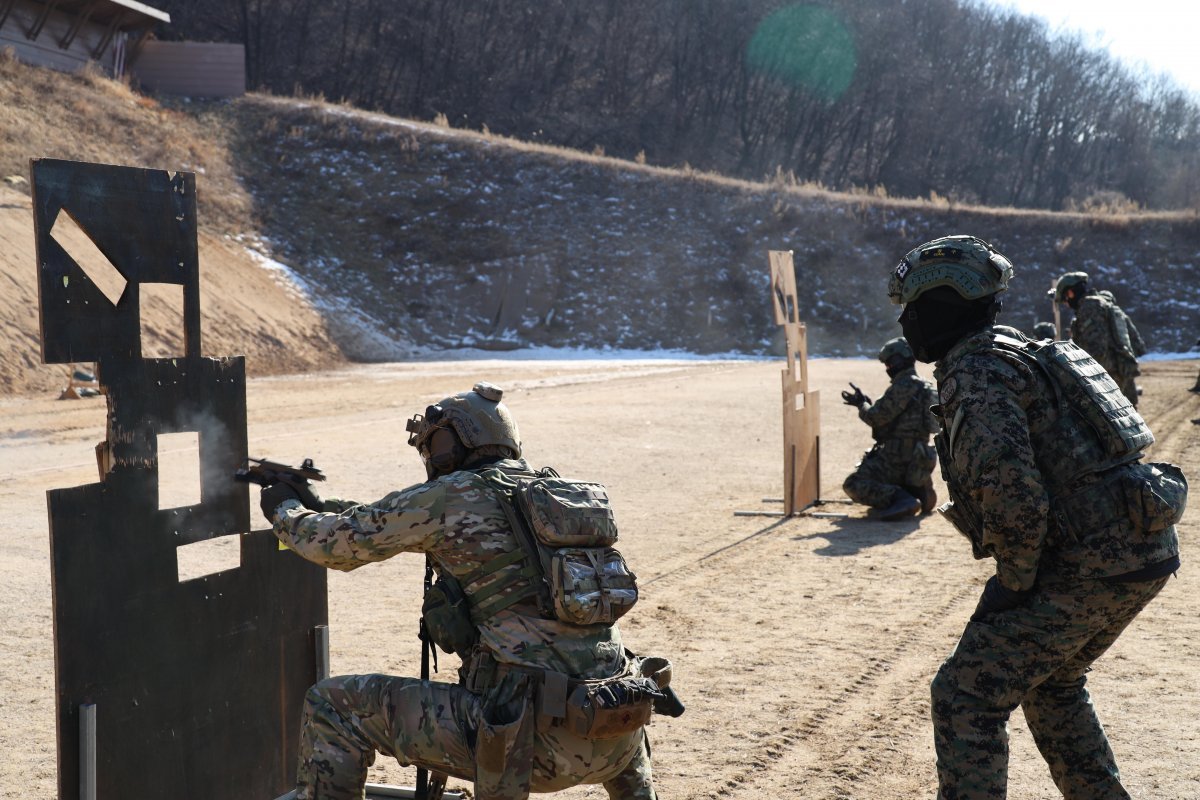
855, 398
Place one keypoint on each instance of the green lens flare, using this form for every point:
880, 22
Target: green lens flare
806, 46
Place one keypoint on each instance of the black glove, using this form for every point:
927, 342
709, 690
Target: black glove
997, 597
856, 399
275, 494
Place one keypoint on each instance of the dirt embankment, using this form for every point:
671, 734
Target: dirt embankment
244, 308
408, 235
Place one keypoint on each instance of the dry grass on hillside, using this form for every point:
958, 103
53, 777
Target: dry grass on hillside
87, 117
1105, 208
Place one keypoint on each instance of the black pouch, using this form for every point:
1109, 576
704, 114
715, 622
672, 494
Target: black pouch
448, 617
1156, 495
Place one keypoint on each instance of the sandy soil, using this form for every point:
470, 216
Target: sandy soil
803, 647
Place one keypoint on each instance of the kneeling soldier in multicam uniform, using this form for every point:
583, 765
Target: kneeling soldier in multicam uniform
542, 704
895, 476
1041, 452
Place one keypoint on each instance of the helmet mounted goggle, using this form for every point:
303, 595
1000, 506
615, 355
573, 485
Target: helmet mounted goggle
422, 426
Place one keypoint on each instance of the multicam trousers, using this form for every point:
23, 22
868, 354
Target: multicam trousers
1035, 656
436, 725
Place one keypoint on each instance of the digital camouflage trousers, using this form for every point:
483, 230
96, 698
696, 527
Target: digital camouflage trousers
1037, 657
886, 468
347, 719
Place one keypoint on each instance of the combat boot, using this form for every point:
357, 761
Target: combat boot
928, 499
903, 505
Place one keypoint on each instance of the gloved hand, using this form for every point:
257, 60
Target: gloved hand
275, 494
997, 597
272, 496
856, 399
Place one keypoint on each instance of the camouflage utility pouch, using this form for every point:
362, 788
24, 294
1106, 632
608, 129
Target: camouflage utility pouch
1156, 495
567, 513
613, 707
448, 618
591, 585
570, 524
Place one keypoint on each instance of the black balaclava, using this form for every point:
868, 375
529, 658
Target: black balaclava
897, 364
940, 318
1078, 292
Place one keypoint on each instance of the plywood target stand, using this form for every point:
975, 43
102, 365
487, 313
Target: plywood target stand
801, 409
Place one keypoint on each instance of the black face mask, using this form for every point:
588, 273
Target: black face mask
940, 318
897, 365
1076, 295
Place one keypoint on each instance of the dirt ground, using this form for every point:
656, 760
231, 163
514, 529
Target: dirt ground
803, 648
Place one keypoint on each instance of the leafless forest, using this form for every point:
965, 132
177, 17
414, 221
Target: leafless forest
951, 98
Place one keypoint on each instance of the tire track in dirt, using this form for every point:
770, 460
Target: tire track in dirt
836, 726
1174, 433
837, 765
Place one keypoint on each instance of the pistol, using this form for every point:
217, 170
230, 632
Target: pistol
266, 473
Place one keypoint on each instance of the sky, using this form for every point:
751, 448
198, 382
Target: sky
1160, 33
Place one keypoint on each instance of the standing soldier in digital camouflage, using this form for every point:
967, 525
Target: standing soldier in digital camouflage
895, 476
1135, 337
548, 696
1102, 329
1041, 453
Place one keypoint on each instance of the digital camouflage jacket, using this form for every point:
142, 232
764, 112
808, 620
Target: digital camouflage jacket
1100, 328
903, 411
1032, 486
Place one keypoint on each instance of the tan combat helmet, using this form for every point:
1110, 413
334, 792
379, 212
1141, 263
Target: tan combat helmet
1068, 281
477, 416
896, 347
967, 264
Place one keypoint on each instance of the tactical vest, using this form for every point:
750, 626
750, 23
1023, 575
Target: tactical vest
1097, 427
1110, 515
565, 567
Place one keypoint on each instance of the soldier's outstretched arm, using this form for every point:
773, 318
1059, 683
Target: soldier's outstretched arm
410, 520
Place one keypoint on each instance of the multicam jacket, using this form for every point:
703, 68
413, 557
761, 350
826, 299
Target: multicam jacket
1101, 328
459, 521
1032, 486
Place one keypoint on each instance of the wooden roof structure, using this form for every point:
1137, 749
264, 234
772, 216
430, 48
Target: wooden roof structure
114, 16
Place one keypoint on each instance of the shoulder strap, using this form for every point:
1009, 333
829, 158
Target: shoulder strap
539, 558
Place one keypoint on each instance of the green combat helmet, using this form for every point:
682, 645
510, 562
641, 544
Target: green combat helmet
477, 416
1045, 330
896, 347
967, 264
1068, 281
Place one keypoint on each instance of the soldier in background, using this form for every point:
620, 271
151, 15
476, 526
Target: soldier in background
1196, 388
1136, 342
496, 726
1102, 329
1041, 454
1045, 330
895, 476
